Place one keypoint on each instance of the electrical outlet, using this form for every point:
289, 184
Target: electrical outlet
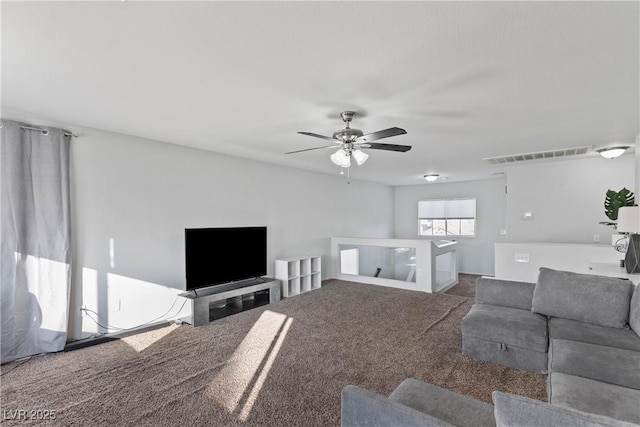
522, 257
596, 237
503, 232
81, 310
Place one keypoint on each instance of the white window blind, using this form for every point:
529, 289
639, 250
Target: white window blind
461, 208
432, 209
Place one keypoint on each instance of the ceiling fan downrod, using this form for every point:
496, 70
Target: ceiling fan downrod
347, 116
347, 134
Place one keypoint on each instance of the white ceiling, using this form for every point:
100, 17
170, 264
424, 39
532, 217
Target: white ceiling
467, 80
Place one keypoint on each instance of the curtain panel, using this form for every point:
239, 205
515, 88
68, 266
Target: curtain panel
35, 235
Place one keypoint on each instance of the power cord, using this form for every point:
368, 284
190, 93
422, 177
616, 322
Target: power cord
116, 328
109, 327
622, 244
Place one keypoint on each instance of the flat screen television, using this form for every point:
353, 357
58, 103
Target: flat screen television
215, 256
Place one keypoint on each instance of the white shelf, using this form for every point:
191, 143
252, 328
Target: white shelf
299, 274
305, 266
316, 281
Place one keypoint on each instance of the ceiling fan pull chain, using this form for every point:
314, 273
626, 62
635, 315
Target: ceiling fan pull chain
348, 175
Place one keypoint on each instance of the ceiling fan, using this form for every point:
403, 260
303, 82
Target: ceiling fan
352, 141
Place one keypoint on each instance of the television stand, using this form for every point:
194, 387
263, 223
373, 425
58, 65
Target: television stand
231, 297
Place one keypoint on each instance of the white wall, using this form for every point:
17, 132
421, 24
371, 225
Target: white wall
566, 198
142, 194
475, 254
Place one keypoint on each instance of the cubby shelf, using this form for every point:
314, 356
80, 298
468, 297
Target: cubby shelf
298, 275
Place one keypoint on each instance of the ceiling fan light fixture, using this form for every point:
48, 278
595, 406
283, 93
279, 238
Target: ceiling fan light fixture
431, 177
341, 158
359, 156
613, 152
352, 140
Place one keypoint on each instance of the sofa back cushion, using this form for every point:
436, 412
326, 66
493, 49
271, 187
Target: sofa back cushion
511, 410
634, 311
585, 297
505, 293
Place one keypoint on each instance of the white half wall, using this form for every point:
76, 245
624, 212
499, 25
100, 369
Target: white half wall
522, 261
133, 198
565, 198
475, 254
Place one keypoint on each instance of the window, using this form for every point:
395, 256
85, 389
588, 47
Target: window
452, 217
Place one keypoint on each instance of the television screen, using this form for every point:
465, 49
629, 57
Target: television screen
215, 256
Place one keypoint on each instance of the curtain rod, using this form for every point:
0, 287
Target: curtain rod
44, 131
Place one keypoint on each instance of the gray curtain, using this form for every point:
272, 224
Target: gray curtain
35, 262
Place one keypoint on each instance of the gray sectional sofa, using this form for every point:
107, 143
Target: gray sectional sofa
591, 324
418, 404
582, 330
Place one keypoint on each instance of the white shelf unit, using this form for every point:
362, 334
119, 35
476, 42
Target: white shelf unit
299, 274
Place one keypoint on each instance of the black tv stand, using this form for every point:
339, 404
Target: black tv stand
238, 296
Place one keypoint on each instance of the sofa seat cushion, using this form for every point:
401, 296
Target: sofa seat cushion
512, 410
453, 408
587, 332
594, 396
609, 364
512, 326
585, 297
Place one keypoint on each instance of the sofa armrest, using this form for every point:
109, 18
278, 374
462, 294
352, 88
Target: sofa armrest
505, 293
362, 407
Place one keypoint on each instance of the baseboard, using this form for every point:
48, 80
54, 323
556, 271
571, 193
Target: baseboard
100, 339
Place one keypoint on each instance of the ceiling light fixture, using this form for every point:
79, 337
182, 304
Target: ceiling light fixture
431, 177
352, 141
341, 158
613, 152
359, 156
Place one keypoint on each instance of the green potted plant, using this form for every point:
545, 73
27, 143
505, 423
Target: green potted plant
615, 200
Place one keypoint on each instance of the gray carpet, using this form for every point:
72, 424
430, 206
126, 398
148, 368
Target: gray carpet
466, 286
279, 365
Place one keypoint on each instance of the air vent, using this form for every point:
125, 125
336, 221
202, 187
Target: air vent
541, 155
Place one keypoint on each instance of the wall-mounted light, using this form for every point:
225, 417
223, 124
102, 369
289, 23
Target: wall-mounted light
613, 152
431, 177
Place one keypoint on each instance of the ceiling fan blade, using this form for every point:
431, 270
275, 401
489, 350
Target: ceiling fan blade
389, 147
328, 138
309, 149
382, 134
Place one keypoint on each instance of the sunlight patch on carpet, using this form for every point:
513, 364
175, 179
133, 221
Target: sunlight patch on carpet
139, 342
237, 386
